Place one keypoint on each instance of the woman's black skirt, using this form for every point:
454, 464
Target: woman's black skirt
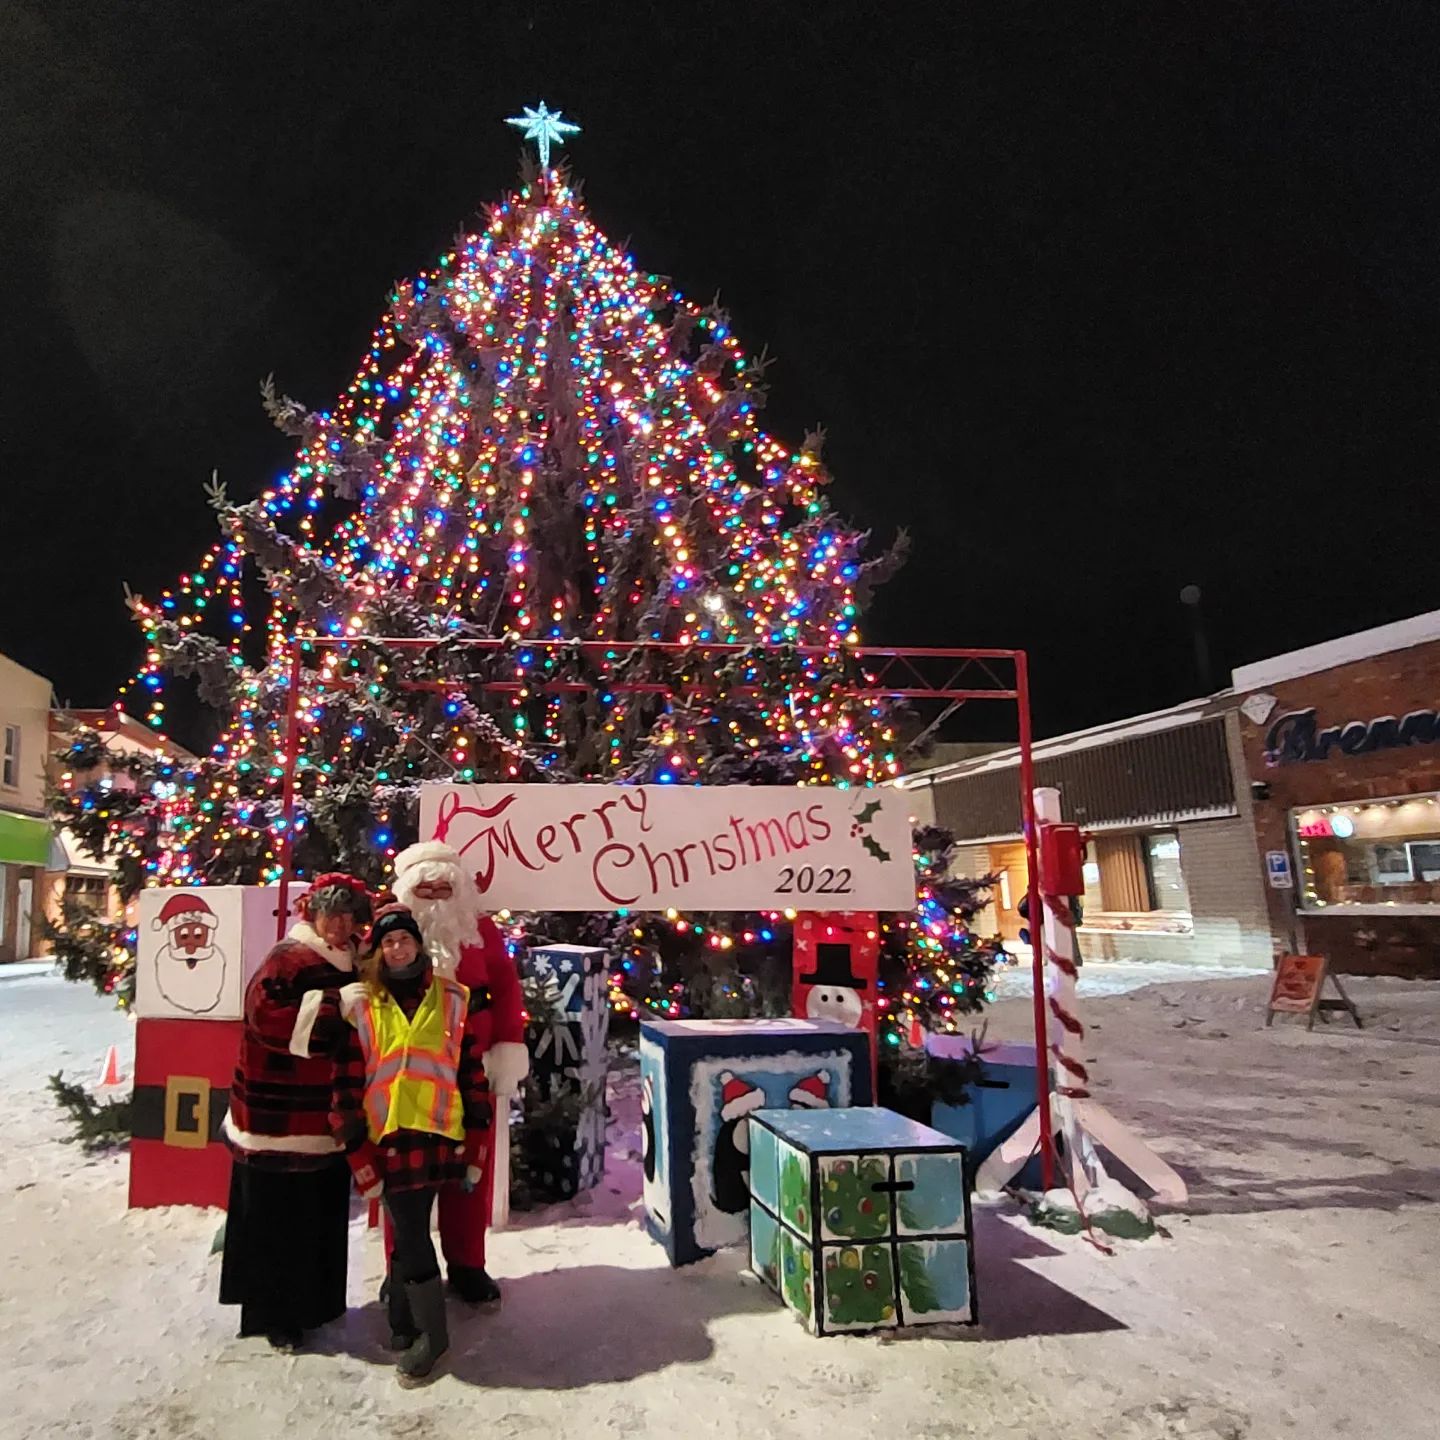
286, 1241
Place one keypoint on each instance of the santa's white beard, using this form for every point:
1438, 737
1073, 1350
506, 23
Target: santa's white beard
197, 991
447, 925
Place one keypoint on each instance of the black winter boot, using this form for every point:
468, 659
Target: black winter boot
427, 1305
473, 1285
404, 1332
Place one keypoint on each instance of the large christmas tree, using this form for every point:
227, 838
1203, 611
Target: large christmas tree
545, 444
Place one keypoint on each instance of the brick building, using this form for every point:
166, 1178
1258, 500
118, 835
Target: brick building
1341, 742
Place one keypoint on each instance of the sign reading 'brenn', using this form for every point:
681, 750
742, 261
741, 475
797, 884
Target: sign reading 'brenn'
651, 847
1295, 737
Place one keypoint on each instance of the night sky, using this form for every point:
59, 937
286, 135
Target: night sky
1096, 300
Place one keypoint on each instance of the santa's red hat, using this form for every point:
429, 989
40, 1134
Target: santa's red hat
738, 1097
811, 1092
188, 909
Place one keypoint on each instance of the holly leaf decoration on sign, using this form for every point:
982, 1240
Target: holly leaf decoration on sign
874, 847
868, 812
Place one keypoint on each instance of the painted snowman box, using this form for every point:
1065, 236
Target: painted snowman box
700, 1082
836, 960
860, 1220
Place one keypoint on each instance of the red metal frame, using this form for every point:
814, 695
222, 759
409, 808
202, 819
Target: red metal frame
926, 673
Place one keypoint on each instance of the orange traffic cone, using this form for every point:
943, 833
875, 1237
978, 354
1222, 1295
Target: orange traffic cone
110, 1071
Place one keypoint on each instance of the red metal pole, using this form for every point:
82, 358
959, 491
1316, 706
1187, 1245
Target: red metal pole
287, 802
1036, 922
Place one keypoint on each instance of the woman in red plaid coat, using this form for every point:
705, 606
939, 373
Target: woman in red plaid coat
288, 1218
412, 1109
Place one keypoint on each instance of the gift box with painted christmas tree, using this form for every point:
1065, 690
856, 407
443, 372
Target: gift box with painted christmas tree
860, 1219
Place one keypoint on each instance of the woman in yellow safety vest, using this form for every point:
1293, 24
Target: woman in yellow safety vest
412, 1109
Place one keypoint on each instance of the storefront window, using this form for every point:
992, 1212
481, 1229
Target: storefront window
1093, 902
1135, 882
1382, 852
1168, 890
87, 890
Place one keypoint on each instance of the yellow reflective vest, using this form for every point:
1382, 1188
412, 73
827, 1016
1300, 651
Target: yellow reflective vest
412, 1066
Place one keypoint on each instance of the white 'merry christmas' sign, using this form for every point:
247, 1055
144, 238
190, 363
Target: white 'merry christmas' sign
651, 847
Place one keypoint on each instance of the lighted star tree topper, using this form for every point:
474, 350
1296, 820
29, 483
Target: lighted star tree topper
545, 128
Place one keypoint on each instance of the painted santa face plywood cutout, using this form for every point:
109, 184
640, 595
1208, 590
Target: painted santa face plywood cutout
189, 966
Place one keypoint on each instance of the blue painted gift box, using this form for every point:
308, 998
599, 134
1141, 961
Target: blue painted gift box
568, 1059
860, 1219
998, 1102
701, 1080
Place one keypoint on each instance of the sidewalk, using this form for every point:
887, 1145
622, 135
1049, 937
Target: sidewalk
24, 969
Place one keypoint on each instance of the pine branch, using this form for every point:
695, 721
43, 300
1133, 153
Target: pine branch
91, 949
288, 415
97, 1125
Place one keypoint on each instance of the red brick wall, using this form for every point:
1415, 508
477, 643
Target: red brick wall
1392, 684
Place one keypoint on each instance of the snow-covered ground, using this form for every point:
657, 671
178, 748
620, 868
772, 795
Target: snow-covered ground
1114, 977
1294, 1296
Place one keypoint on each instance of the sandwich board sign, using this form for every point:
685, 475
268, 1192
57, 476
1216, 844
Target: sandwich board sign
1299, 979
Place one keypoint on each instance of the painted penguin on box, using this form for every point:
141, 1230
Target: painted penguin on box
727, 1093
653, 1140
730, 1165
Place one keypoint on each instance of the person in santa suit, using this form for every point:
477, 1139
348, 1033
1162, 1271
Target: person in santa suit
466, 945
287, 1226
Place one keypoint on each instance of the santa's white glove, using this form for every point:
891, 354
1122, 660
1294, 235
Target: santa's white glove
352, 996
473, 1153
506, 1066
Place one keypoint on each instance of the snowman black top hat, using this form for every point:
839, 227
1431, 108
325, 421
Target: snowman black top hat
832, 967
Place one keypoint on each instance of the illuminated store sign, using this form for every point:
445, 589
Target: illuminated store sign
1295, 737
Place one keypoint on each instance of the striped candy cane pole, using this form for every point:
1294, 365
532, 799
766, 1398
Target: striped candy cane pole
1072, 1079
